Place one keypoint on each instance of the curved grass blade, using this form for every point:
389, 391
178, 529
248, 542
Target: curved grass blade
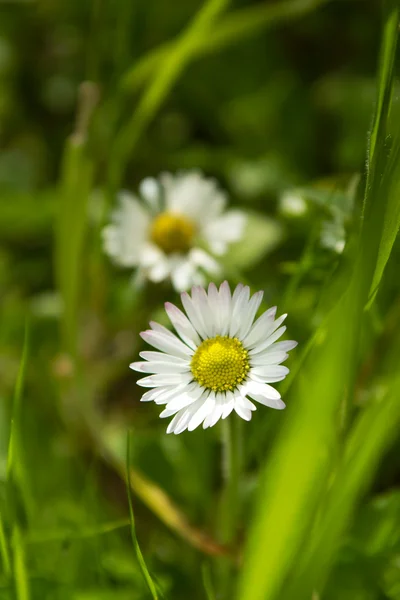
236, 26
142, 564
167, 73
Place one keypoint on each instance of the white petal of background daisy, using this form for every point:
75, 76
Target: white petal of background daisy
220, 359
164, 232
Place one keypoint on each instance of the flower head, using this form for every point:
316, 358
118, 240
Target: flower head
222, 359
174, 230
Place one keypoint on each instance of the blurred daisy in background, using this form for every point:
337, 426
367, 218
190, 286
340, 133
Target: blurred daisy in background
174, 230
221, 361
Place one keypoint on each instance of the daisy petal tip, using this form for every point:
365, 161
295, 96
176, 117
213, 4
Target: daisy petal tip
169, 307
140, 382
224, 287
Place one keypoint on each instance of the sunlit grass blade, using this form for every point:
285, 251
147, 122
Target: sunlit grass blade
142, 564
298, 470
167, 73
372, 435
234, 27
291, 487
22, 589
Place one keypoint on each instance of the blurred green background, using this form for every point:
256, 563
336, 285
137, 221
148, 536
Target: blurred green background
276, 100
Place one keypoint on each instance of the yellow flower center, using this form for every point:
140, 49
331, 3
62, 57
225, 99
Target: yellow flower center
172, 232
220, 363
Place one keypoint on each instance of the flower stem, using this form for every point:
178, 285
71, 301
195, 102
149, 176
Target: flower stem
230, 506
231, 466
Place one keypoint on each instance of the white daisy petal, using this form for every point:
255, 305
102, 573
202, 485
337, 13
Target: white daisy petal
205, 261
254, 388
175, 421
166, 344
182, 325
160, 271
162, 379
183, 274
250, 313
268, 358
150, 191
202, 412
194, 316
271, 371
200, 303
276, 403
225, 230
215, 415
239, 305
158, 367
269, 341
185, 399
262, 328
169, 392
284, 346
214, 304
225, 307
161, 356
244, 413
187, 414
228, 404
151, 395
124, 237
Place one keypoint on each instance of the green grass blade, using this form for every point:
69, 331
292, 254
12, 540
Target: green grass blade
12, 457
5, 555
236, 26
372, 435
74, 189
20, 573
298, 470
169, 70
142, 564
15, 480
385, 78
383, 172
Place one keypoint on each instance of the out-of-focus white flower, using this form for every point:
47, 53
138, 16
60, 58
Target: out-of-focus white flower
175, 231
221, 359
292, 204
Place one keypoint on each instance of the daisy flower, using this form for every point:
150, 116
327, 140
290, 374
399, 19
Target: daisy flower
174, 229
221, 361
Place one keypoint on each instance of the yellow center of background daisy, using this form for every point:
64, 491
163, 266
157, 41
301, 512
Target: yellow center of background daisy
220, 363
172, 232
